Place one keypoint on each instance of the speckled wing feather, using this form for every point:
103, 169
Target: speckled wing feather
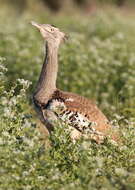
79, 112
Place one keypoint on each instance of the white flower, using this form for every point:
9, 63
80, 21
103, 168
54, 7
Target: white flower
121, 171
5, 133
25, 83
25, 173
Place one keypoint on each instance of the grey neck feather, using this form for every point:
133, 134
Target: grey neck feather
47, 81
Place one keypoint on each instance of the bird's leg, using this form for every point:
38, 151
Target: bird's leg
50, 119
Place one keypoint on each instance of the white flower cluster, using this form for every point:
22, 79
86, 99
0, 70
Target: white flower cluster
24, 83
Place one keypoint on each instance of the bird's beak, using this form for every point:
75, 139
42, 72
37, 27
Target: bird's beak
39, 26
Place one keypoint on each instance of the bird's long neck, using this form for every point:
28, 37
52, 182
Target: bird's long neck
47, 81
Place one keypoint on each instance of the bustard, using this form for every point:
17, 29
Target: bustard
53, 104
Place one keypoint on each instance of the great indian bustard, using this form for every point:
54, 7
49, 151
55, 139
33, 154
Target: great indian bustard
53, 104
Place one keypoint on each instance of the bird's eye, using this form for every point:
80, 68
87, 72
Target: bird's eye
51, 30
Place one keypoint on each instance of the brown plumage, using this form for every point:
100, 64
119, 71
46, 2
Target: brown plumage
52, 104
83, 106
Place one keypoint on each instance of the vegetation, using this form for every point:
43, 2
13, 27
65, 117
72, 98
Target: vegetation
98, 62
60, 5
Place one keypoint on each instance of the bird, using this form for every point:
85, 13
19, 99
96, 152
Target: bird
52, 104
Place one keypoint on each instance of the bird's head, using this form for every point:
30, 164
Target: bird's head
50, 33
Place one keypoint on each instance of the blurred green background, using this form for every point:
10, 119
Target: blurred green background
56, 6
97, 61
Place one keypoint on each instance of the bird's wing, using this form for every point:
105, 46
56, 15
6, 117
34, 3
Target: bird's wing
79, 111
